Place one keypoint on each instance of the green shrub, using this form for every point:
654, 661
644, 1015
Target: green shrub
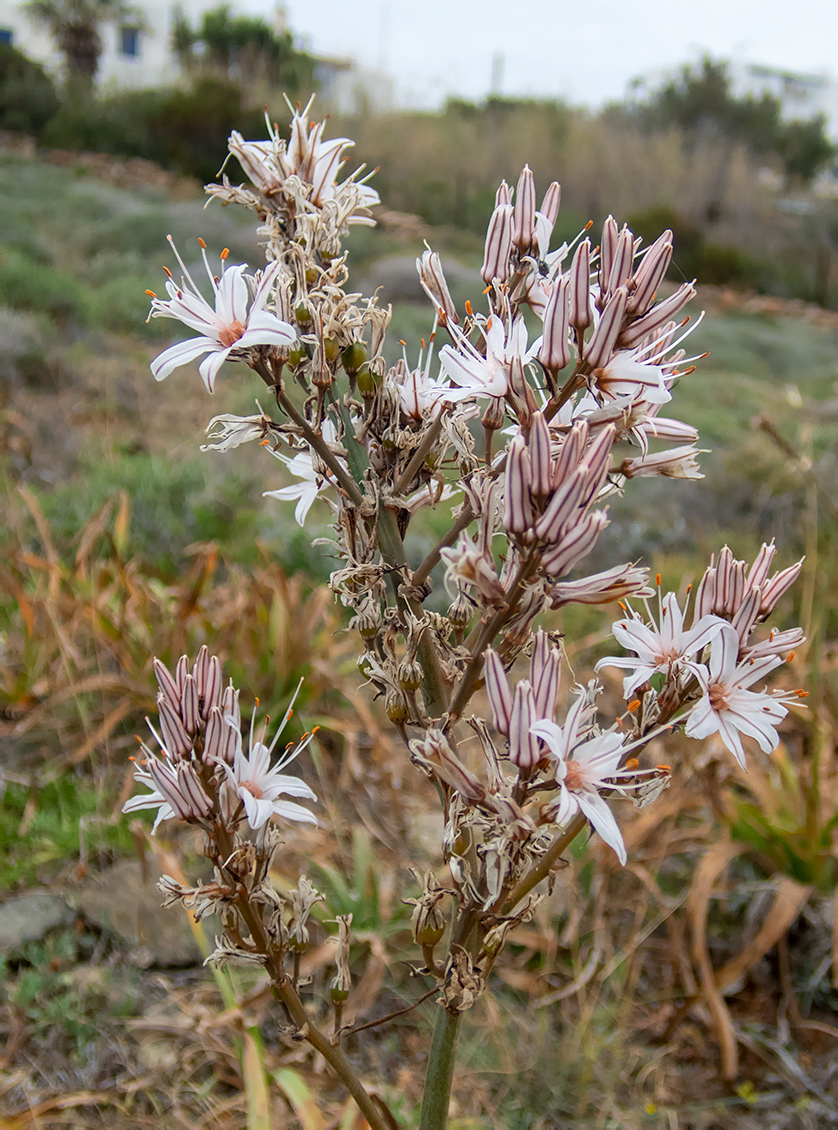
27, 94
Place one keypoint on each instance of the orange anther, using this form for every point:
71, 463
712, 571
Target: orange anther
588, 226
488, 288
404, 343
632, 706
225, 252
469, 310
789, 657
658, 579
201, 243
632, 763
664, 768
168, 272
151, 294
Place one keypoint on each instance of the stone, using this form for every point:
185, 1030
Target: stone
127, 903
29, 917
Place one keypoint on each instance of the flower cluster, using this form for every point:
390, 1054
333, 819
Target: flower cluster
521, 439
200, 772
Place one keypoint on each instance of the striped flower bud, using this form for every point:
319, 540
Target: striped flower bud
546, 684
166, 683
579, 541
601, 346
607, 247
503, 195
517, 507
579, 293
498, 245
555, 350
523, 746
657, 317
551, 202
176, 740
777, 587
213, 686
541, 459
432, 278
497, 689
623, 259
650, 274
189, 704
705, 598
524, 225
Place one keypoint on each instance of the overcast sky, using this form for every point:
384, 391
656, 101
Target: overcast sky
585, 51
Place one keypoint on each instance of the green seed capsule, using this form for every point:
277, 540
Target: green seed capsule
312, 275
302, 314
353, 357
331, 349
295, 356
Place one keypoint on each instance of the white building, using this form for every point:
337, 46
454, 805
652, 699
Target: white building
139, 54
134, 55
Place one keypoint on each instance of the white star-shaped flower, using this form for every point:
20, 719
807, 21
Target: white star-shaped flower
727, 707
227, 328
658, 647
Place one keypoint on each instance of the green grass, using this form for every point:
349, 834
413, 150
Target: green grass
42, 829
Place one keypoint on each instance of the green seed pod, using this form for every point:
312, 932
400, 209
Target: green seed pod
302, 314
312, 275
409, 675
396, 708
331, 349
339, 996
429, 930
366, 382
353, 357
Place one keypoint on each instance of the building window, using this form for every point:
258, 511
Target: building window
129, 41
6, 35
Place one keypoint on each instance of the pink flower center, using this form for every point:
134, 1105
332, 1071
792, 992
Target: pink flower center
667, 656
574, 777
718, 696
253, 789
230, 334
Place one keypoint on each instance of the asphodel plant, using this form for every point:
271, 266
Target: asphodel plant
520, 443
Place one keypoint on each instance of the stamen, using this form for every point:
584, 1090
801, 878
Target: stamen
151, 294
469, 310
632, 706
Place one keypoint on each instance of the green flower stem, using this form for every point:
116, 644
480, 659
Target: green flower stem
432, 560
440, 1073
420, 454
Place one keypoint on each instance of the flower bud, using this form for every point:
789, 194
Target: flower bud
601, 346
579, 293
550, 204
523, 746
497, 689
555, 350
623, 259
498, 245
517, 507
541, 459
524, 225
606, 253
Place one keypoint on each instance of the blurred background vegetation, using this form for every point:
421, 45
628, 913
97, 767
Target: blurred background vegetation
122, 540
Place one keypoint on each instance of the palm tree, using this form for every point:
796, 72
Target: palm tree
74, 25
